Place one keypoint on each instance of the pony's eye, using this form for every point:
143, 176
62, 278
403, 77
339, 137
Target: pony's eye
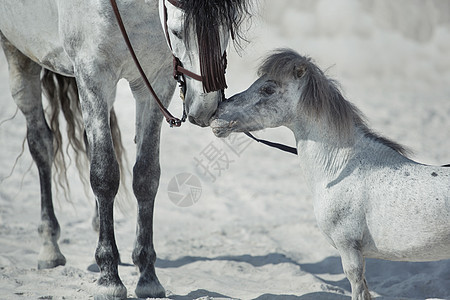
268, 90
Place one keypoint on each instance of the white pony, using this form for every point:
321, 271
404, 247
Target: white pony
370, 200
81, 40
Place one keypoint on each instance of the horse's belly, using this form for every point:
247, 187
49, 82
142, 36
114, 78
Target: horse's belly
33, 28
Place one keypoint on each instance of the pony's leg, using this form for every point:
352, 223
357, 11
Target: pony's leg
353, 264
25, 87
96, 98
146, 173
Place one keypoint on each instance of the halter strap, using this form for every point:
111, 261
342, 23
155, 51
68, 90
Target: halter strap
274, 145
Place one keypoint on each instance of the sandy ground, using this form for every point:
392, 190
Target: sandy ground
252, 233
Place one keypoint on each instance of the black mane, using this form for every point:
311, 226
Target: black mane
204, 15
206, 18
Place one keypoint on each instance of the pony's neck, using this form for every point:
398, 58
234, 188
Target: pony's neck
323, 157
327, 158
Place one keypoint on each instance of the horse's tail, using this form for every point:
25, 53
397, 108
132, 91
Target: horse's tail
62, 95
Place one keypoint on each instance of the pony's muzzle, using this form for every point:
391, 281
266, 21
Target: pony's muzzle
222, 128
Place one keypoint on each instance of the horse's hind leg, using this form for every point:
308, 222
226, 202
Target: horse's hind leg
25, 86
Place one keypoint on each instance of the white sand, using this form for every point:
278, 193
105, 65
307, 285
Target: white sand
252, 234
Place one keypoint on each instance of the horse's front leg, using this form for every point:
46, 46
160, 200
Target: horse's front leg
146, 173
96, 97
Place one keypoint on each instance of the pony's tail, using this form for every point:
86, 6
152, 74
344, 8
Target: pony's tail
62, 95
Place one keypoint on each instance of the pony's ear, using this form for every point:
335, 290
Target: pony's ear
299, 71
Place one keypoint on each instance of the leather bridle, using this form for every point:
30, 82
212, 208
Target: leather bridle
179, 72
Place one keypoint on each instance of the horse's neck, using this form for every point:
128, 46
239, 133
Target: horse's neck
143, 27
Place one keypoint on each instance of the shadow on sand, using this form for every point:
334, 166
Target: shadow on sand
256, 261
396, 279
198, 294
312, 296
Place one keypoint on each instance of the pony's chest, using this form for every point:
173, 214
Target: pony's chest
340, 208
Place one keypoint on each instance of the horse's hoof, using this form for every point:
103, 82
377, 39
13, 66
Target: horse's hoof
50, 256
110, 291
53, 263
150, 289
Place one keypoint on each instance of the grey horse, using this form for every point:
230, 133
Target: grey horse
81, 49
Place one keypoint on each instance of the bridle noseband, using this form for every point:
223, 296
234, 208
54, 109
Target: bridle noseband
179, 72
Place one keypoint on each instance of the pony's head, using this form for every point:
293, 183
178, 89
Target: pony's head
291, 90
198, 32
271, 101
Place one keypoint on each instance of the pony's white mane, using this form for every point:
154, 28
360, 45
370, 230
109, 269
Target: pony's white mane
320, 96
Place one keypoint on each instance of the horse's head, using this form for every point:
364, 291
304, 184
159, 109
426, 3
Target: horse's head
198, 32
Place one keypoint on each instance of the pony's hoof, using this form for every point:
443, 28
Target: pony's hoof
150, 289
53, 263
